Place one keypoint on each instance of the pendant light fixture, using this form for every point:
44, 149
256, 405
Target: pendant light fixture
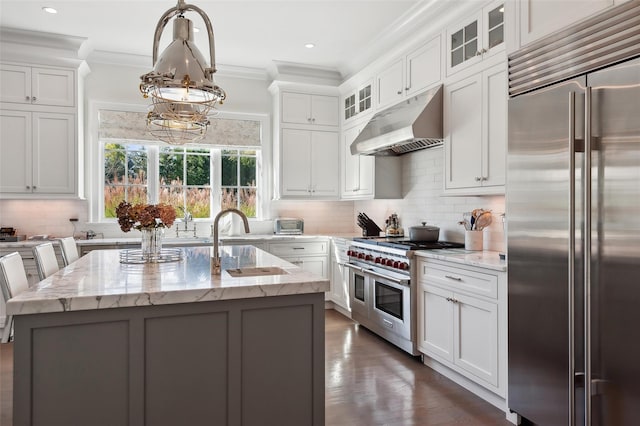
181, 85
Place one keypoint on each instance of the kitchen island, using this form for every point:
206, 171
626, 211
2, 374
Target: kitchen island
102, 342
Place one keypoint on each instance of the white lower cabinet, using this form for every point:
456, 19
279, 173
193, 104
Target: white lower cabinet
462, 321
475, 125
312, 256
340, 274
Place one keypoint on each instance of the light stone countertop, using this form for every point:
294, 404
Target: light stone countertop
482, 259
169, 241
99, 281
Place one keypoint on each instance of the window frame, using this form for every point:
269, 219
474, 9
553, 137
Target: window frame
94, 153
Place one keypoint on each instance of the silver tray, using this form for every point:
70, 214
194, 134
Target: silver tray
136, 256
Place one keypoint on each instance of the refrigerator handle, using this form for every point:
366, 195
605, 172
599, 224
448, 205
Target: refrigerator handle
572, 253
587, 255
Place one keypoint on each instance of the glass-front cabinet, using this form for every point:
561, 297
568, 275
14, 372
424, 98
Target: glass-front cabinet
476, 38
358, 101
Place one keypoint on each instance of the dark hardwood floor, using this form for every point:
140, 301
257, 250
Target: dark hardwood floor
368, 383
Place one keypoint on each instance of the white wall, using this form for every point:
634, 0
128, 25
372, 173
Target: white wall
422, 183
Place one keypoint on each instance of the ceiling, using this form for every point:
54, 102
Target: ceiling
250, 34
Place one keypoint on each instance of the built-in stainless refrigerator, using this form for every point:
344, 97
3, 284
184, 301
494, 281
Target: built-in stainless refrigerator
573, 212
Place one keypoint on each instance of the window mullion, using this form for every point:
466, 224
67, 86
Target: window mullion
153, 173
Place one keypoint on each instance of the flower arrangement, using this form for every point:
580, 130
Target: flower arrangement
144, 216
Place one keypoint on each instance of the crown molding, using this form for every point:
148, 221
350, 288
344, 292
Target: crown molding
45, 48
303, 73
146, 63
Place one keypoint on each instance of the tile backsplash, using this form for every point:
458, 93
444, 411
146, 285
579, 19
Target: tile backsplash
422, 183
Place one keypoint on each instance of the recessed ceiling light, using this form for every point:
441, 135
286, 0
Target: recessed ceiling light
309, 45
196, 29
49, 10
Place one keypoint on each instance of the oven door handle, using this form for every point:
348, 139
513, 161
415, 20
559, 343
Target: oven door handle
355, 267
404, 282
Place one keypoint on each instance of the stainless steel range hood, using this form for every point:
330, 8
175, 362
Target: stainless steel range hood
413, 124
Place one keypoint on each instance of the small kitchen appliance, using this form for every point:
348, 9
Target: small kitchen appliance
288, 226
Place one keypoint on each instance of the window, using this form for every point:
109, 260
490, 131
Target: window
125, 176
183, 177
225, 169
185, 180
239, 180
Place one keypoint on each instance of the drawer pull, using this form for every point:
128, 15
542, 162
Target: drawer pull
298, 248
451, 277
452, 300
387, 322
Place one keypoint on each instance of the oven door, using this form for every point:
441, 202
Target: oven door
391, 304
359, 298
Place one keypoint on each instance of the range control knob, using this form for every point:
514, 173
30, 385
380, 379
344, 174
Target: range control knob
378, 259
360, 255
349, 253
396, 264
404, 266
389, 262
368, 257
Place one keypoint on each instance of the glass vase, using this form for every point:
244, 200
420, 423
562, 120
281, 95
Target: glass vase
152, 243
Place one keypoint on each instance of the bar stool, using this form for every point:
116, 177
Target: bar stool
46, 260
13, 281
69, 250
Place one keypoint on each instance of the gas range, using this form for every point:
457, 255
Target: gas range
391, 254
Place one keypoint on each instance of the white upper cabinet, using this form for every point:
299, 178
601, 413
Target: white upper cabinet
302, 108
390, 84
423, 67
37, 86
358, 103
409, 74
475, 125
306, 141
357, 170
38, 153
476, 38
309, 166
366, 177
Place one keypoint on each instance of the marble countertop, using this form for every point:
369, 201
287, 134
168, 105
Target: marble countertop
170, 241
99, 281
482, 259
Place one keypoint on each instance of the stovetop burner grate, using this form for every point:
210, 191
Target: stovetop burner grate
404, 244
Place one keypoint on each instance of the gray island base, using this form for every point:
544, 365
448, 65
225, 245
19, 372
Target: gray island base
234, 351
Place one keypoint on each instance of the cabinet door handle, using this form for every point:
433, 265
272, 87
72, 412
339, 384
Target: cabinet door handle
33, 98
478, 178
309, 119
28, 187
28, 98
399, 92
313, 120
407, 88
451, 277
483, 178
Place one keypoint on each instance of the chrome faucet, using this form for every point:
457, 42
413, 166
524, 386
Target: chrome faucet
215, 260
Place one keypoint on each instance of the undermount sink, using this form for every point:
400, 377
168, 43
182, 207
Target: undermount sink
256, 271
